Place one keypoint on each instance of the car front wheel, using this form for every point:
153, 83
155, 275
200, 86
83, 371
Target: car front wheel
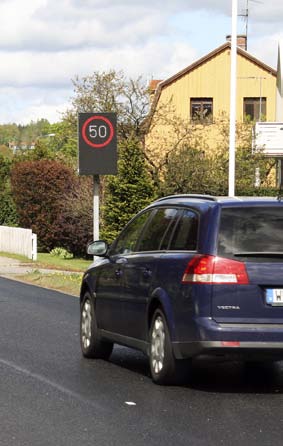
91, 343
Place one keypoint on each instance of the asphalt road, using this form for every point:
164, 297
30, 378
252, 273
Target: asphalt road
50, 395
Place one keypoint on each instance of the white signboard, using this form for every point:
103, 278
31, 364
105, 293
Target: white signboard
268, 137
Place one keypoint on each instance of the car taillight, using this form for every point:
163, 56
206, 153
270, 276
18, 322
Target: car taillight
215, 270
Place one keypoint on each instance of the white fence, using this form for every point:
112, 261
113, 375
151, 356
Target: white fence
18, 241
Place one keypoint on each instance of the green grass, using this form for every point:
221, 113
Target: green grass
67, 283
15, 256
75, 264
45, 260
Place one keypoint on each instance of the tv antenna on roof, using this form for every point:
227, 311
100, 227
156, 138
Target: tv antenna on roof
245, 15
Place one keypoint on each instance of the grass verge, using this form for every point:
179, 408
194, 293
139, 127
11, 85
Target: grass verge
67, 283
45, 260
60, 281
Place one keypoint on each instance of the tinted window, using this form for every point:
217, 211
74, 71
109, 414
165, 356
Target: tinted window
255, 229
157, 230
127, 241
185, 235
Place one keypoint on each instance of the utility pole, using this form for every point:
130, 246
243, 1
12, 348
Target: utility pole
279, 105
233, 86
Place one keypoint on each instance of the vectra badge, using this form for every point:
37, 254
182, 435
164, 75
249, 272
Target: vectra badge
228, 307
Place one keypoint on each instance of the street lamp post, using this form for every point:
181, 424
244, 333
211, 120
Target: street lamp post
233, 85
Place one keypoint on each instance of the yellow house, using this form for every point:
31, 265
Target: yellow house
199, 96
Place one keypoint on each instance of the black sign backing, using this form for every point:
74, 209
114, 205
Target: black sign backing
97, 144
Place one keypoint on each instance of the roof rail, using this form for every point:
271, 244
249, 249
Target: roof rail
194, 196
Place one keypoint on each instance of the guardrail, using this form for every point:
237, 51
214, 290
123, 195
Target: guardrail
18, 241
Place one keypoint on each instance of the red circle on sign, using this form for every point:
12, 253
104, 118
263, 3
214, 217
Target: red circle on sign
92, 144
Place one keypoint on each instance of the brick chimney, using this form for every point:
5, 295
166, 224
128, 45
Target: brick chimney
153, 85
241, 41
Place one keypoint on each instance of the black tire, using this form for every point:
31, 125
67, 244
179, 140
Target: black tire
164, 367
92, 345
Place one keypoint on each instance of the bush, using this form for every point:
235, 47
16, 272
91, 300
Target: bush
8, 212
75, 223
62, 253
39, 188
257, 191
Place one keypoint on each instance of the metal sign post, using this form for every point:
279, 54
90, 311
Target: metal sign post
96, 184
97, 153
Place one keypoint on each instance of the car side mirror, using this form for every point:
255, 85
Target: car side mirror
98, 248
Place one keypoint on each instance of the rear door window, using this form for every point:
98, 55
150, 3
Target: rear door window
158, 230
254, 230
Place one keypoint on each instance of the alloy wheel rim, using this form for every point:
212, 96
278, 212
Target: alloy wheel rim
157, 345
86, 324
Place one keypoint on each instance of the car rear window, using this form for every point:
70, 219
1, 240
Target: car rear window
253, 230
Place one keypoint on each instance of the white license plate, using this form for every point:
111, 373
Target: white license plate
274, 296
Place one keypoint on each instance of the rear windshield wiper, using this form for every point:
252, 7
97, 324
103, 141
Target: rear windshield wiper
258, 254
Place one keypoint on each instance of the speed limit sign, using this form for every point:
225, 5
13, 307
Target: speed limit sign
97, 143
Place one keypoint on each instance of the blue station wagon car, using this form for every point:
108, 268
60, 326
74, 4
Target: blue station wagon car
189, 275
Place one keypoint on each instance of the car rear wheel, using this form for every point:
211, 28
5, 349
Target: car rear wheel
91, 343
164, 367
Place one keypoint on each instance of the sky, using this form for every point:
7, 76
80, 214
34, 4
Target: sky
44, 44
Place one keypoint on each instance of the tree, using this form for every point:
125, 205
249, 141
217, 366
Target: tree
29, 133
9, 133
167, 135
8, 214
192, 170
41, 151
112, 92
63, 140
129, 191
6, 151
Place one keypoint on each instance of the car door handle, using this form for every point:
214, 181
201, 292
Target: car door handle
147, 273
118, 273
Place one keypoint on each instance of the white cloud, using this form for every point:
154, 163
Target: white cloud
266, 48
34, 69
41, 85
21, 105
54, 26
46, 43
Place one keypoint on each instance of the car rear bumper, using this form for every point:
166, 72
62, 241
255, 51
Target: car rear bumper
233, 339
249, 350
